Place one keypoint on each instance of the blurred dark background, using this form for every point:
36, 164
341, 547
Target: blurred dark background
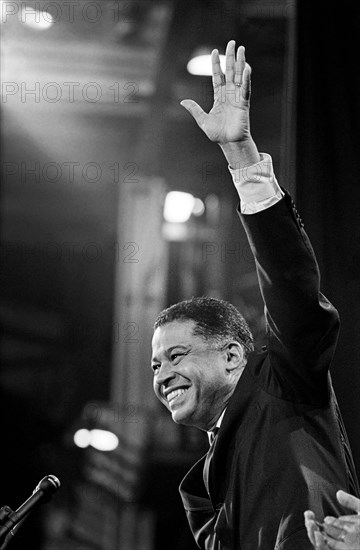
92, 140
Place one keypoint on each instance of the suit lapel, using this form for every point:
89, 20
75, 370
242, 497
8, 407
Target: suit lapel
225, 443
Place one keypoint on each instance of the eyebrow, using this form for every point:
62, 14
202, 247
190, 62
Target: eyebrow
169, 350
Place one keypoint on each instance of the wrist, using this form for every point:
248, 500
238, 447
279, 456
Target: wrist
240, 154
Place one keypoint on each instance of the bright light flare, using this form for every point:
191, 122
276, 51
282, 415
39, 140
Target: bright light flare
35, 18
82, 438
201, 65
178, 206
102, 440
198, 208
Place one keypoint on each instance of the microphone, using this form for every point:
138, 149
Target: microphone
42, 493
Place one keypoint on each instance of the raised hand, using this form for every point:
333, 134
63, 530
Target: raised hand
228, 120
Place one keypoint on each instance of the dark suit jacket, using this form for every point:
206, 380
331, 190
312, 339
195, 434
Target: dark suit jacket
282, 447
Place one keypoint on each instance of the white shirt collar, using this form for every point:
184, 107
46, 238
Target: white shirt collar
217, 425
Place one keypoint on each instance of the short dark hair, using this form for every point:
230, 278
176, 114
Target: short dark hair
215, 320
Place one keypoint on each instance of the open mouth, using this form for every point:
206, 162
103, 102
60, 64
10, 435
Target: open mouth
174, 395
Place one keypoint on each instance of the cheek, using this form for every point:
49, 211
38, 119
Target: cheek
209, 388
156, 390
159, 395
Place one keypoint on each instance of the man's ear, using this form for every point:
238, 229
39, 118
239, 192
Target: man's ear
235, 356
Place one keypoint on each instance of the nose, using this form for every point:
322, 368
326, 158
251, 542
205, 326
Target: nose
165, 374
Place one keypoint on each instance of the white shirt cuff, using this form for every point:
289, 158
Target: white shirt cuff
256, 185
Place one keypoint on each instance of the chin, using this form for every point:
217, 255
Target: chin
177, 418
180, 418
184, 419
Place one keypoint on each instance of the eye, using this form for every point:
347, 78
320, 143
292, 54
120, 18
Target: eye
177, 355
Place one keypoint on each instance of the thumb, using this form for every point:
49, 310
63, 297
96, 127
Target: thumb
349, 501
195, 110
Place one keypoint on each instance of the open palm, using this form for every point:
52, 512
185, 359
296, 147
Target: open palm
228, 120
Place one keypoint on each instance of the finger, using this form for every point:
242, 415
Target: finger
349, 501
239, 65
310, 525
336, 545
350, 519
342, 522
195, 110
320, 543
230, 61
309, 515
217, 75
333, 531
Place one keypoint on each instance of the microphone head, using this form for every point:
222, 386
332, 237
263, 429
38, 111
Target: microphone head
48, 485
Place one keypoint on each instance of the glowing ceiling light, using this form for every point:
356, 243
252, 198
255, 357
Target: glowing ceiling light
200, 63
178, 206
103, 440
82, 438
35, 18
198, 208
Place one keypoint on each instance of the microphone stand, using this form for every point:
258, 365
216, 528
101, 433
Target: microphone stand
5, 511
11, 521
9, 535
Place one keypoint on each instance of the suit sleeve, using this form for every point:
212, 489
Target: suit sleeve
302, 324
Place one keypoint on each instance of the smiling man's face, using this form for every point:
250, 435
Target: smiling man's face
191, 375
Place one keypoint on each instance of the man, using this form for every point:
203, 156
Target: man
281, 446
341, 533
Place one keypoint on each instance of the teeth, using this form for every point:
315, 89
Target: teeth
172, 395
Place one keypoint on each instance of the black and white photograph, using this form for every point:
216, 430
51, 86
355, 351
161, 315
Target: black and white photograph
180, 275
